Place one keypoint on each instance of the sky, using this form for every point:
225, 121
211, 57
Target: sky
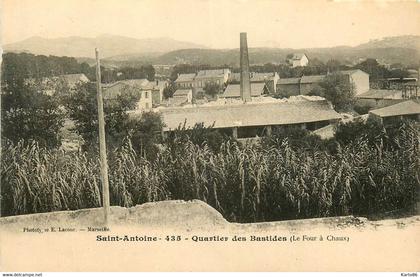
214, 23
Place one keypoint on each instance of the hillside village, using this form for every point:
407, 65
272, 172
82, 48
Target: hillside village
216, 97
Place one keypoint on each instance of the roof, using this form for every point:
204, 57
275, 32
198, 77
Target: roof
250, 114
352, 71
312, 79
254, 76
404, 108
298, 56
234, 90
189, 77
175, 101
288, 81
182, 92
142, 84
211, 73
381, 94
73, 79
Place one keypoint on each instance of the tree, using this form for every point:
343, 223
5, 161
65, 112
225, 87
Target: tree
82, 109
333, 65
337, 89
212, 89
146, 133
30, 113
169, 91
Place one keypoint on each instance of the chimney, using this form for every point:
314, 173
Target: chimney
244, 60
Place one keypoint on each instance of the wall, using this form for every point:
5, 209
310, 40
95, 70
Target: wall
306, 88
288, 90
361, 81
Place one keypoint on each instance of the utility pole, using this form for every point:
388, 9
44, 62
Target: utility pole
102, 145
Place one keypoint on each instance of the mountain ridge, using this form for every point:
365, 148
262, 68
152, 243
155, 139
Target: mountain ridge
122, 51
110, 45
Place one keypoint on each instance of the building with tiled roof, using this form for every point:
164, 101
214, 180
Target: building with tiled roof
305, 84
234, 90
185, 80
298, 59
253, 117
405, 110
141, 88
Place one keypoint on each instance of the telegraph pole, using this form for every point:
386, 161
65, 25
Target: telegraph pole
102, 145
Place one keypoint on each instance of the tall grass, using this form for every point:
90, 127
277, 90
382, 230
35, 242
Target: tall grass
246, 183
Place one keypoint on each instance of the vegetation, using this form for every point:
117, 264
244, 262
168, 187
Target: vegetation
169, 91
31, 114
336, 89
23, 65
246, 183
82, 109
212, 89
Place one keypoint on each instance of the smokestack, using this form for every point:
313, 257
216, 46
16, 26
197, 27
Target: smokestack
245, 82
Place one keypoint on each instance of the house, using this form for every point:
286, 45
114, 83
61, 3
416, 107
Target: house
180, 97
269, 78
287, 87
215, 76
234, 90
359, 78
254, 118
379, 98
304, 85
309, 83
298, 59
404, 110
185, 80
141, 88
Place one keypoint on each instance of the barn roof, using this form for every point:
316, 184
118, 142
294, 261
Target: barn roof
211, 73
381, 94
404, 108
188, 77
182, 92
250, 114
234, 90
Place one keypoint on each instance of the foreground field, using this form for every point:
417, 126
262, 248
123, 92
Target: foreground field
245, 183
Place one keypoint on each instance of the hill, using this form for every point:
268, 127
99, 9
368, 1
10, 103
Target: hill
125, 51
401, 49
110, 46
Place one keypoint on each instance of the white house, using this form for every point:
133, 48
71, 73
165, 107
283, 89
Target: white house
142, 88
299, 59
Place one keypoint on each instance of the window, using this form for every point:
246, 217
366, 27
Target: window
147, 94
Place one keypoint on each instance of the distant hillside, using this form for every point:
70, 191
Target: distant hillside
411, 42
109, 45
213, 57
124, 51
401, 49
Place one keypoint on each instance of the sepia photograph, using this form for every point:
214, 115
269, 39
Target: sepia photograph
209, 136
